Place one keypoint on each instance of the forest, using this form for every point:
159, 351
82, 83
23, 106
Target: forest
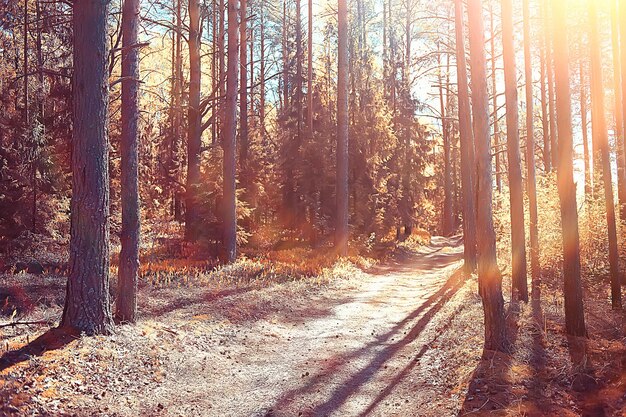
312, 208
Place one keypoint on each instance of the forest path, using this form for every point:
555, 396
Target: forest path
357, 357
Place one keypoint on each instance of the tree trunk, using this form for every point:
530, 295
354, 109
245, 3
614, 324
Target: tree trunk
341, 231
551, 100
489, 276
620, 143
494, 91
262, 74
519, 285
466, 144
530, 157
243, 91
230, 135
574, 312
126, 302
447, 172
585, 131
545, 126
194, 123
87, 304
309, 91
622, 30
600, 138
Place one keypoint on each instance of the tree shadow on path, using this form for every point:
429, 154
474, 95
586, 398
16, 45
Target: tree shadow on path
490, 388
353, 383
53, 339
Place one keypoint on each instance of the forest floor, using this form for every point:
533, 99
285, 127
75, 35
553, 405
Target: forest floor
403, 338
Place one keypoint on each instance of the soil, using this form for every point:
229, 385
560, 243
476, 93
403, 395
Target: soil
399, 339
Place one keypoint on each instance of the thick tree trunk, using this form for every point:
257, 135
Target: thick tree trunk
530, 157
601, 141
194, 123
466, 144
341, 230
489, 276
87, 305
519, 285
126, 302
574, 312
230, 135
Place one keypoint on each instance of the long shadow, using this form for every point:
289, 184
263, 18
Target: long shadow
429, 308
199, 299
53, 339
402, 374
538, 354
488, 390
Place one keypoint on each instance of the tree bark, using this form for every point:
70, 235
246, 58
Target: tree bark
574, 312
600, 138
620, 143
489, 276
554, 152
194, 123
447, 223
545, 125
585, 131
126, 302
466, 144
494, 88
341, 231
243, 90
309, 91
230, 135
87, 304
519, 285
531, 184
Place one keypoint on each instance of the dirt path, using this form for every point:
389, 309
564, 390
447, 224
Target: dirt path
357, 358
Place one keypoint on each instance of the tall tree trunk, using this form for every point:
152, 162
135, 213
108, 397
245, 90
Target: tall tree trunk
545, 126
622, 30
309, 90
574, 312
584, 124
554, 152
494, 88
243, 91
519, 285
447, 223
126, 303
176, 112
620, 143
87, 304
341, 231
600, 138
214, 71
262, 73
194, 123
466, 144
489, 276
530, 156
230, 135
